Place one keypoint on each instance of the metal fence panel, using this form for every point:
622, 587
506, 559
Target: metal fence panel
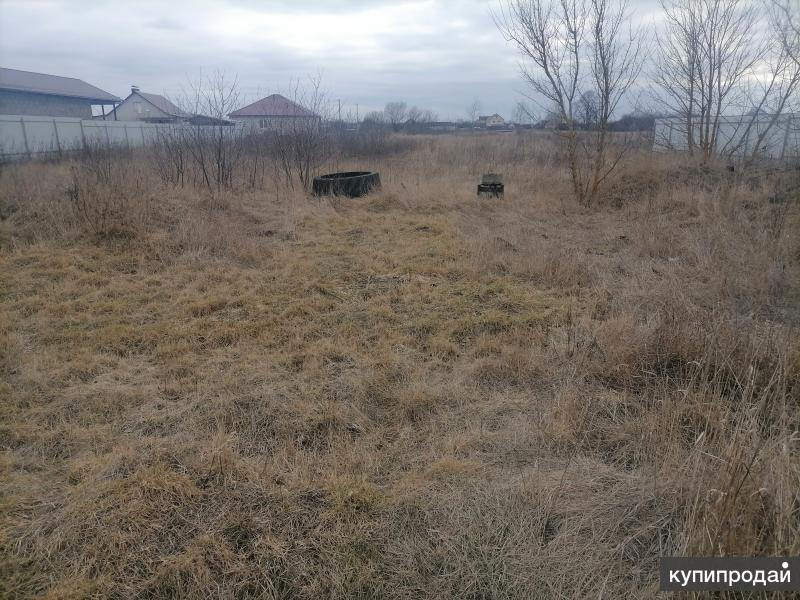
27, 136
734, 137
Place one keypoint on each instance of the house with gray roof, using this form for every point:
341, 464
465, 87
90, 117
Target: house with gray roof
154, 108
39, 94
151, 108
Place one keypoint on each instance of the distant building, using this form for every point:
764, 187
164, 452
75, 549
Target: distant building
441, 126
27, 93
151, 108
274, 112
494, 120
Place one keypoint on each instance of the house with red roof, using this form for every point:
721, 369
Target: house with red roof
275, 112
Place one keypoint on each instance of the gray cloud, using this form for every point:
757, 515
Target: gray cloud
165, 24
438, 54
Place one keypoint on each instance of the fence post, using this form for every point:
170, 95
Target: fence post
83, 136
786, 136
746, 149
127, 141
58, 140
108, 139
25, 137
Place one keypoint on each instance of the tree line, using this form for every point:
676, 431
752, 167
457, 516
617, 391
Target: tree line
401, 117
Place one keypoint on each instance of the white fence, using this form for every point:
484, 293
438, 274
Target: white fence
736, 136
26, 136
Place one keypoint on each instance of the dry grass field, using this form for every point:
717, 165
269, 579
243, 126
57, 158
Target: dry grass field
415, 394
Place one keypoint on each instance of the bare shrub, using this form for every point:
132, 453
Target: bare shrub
562, 40
215, 149
370, 142
106, 192
303, 144
258, 158
169, 153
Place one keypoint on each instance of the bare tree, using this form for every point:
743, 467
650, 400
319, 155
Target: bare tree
474, 109
588, 109
417, 119
375, 119
709, 51
771, 95
572, 47
413, 115
396, 114
786, 18
523, 114
678, 63
767, 97
428, 116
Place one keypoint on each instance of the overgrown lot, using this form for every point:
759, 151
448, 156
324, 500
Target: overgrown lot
257, 394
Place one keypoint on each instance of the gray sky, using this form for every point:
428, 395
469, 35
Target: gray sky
437, 54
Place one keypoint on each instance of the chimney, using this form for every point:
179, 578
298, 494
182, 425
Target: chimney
134, 89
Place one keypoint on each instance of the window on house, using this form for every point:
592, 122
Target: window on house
138, 107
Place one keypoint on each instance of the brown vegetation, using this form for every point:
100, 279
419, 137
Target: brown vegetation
415, 394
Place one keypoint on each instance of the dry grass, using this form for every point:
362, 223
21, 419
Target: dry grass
411, 395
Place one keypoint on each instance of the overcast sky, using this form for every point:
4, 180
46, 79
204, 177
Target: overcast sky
437, 54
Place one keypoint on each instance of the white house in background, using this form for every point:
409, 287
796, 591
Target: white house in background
151, 108
494, 120
274, 112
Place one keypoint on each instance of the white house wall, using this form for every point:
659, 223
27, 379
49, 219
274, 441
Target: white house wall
276, 123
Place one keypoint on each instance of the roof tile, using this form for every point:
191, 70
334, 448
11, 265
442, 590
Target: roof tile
273, 106
164, 105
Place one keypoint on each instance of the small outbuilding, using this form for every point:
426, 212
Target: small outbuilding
38, 94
